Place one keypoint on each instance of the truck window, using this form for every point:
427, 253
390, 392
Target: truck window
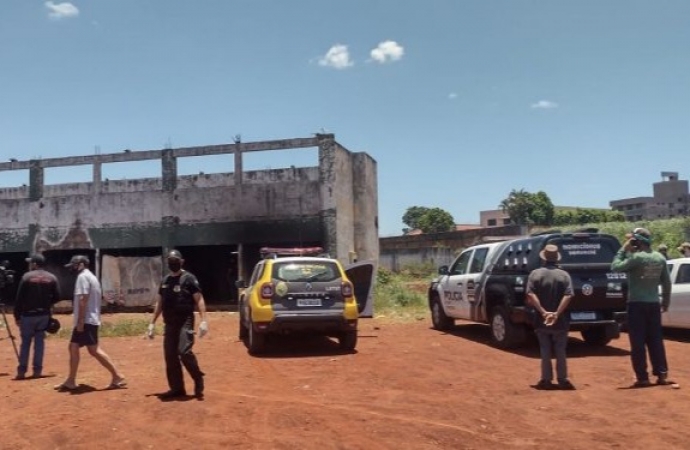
478, 260
683, 274
459, 267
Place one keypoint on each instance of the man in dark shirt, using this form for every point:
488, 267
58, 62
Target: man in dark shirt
178, 296
37, 292
549, 290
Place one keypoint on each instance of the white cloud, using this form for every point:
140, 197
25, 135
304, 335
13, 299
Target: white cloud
337, 57
59, 11
452, 96
544, 104
387, 51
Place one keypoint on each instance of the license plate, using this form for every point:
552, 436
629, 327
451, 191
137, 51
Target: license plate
588, 315
308, 302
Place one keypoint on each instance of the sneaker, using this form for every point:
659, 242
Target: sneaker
663, 380
544, 385
19, 376
641, 384
172, 394
566, 385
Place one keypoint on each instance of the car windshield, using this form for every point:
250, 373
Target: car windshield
306, 271
586, 250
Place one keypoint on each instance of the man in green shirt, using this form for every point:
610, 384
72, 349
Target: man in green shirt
646, 270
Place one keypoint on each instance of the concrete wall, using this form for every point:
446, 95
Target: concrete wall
436, 249
333, 204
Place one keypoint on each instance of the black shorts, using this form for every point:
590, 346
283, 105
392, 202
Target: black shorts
87, 338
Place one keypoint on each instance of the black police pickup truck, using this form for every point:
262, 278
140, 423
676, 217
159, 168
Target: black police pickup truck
486, 283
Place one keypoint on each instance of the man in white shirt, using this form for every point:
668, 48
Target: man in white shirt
87, 319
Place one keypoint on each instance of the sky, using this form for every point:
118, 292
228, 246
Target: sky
458, 101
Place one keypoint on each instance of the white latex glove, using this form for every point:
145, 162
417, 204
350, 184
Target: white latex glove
150, 331
203, 329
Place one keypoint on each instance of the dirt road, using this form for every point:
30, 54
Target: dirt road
406, 387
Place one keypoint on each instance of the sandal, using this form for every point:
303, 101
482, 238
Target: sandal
119, 384
64, 387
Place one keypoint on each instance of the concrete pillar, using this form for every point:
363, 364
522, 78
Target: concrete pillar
238, 163
97, 178
327, 180
36, 180
169, 166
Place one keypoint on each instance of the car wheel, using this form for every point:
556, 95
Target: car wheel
439, 319
256, 342
244, 331
504, 333
348, 340
595, 337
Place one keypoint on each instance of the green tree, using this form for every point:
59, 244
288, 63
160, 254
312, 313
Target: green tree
526, 208
412, 216
436, 220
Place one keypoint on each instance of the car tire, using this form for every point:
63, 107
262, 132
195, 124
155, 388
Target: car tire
504, 333
244, 331
439, 319
256, 342
596, 337
347, 340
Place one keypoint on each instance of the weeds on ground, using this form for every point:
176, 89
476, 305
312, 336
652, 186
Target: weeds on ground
401, 296
119, 328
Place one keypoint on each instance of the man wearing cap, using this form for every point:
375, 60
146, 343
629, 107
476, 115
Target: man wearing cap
646, 270
178, 295
87, 320
684, 249
549, 290
37, 292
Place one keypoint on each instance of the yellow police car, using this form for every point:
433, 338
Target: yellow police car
289, 292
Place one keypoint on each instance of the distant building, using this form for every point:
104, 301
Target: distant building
671, 199
494, 218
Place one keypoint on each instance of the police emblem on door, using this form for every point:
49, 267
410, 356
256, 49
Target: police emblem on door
587, 289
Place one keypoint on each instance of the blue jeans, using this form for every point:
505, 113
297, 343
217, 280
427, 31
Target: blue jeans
553, 342
32, 328
646, 335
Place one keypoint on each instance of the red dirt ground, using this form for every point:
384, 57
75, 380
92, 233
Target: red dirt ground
406, 387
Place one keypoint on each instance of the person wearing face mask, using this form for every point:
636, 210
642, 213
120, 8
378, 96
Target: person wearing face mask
178, 296
87, 320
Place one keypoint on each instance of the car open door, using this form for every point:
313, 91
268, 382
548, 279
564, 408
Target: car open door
362, 274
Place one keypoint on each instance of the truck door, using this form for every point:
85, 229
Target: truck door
473, 280
453, 287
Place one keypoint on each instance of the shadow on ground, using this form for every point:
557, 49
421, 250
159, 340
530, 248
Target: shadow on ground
577, 348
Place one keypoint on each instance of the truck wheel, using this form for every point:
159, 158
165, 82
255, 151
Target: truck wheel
595, 337
347, 340
439, 319
504, 333
256, 342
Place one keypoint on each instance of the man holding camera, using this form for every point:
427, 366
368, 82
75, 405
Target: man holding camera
646, 270
37, 292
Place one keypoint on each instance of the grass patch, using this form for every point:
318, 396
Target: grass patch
400, 297
121, 327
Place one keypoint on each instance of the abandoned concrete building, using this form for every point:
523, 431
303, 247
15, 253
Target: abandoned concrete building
218, 221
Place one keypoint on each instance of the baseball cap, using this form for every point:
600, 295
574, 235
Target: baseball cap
76, 259
36, 258
174, 254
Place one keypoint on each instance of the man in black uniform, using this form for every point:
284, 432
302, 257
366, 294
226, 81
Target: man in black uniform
178, 295
37, 292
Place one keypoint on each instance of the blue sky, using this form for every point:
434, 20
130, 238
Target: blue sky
459, 101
